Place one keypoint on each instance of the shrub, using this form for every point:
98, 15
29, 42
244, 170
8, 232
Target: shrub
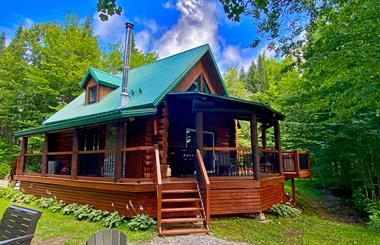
70, 208
141, 222
374, 219
97, 215
45, 202
83, 212
113, 220
57, 206
285, 211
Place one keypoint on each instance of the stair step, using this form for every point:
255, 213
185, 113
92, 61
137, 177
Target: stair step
181, 220
183, 231
179, 191
173, 210
181, 200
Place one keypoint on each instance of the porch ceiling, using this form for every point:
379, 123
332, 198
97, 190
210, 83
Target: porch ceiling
239, 109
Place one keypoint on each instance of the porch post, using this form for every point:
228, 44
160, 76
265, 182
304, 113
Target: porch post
118, 153
74, 154
24, 148
264, 136
45, 156
277, 139
254, 143
199, 129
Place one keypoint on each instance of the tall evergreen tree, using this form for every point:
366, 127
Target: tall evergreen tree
2, 42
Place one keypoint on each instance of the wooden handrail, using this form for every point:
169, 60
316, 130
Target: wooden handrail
269, 150
33, 154
158, 182
206, 180
137, 148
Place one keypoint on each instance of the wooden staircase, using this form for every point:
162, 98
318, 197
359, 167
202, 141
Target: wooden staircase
181, 206
182, 209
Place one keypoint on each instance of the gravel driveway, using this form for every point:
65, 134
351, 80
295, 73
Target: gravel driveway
189, 239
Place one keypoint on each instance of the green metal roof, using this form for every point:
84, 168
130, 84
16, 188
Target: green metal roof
147, 86
101, 77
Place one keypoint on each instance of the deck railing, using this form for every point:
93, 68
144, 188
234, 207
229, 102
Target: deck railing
204, 186
296, 161
101, 163
158, 183
237, 161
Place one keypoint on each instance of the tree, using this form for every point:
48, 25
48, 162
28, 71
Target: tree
236, 88
340, 98
41, 68
2, 42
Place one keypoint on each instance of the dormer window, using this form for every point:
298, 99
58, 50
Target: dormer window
92, 94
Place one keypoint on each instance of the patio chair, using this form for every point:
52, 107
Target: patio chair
18, 225
107, 237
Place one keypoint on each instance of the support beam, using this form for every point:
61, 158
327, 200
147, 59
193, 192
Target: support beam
277, 138
199, 130
254, 145
264, 136
74, 156
293, 192
118, 153
45, 156
24, 148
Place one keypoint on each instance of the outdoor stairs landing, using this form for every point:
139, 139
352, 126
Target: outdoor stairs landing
182, 209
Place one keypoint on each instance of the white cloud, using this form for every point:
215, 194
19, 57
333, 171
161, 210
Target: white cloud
168, 5
142, 40
196, 25
112, 29
28, 23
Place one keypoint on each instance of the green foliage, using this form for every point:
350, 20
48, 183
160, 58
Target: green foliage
40, 70
70, 208
82, 212
8, 154
141, 222
113, 220
107, 8
97, 215
374, 219
284, 211
46, 202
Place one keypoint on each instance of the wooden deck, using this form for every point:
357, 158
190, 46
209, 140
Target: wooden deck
227, 196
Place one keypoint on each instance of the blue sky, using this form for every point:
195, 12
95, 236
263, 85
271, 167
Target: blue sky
168, 26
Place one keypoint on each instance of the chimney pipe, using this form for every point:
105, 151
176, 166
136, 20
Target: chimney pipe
127, 57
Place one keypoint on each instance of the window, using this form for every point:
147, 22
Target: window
200, 84
92, 94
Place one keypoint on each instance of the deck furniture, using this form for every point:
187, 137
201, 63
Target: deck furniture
18, 225
107, 237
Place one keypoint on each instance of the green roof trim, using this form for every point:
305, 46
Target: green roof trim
101, 77
113, 115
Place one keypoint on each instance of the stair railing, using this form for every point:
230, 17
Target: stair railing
158, 183
204, 183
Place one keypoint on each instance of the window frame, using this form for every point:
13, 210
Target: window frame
93, 88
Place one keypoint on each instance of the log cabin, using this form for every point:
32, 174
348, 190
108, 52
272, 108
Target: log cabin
162, 139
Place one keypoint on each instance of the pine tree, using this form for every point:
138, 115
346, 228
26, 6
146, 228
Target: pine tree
2, 42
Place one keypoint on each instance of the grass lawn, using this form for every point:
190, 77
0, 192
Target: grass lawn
319, 224
56, 228
322, 222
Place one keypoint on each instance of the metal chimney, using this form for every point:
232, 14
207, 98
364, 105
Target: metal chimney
124, 97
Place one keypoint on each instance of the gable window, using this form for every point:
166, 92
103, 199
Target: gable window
92, 94
200, 85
